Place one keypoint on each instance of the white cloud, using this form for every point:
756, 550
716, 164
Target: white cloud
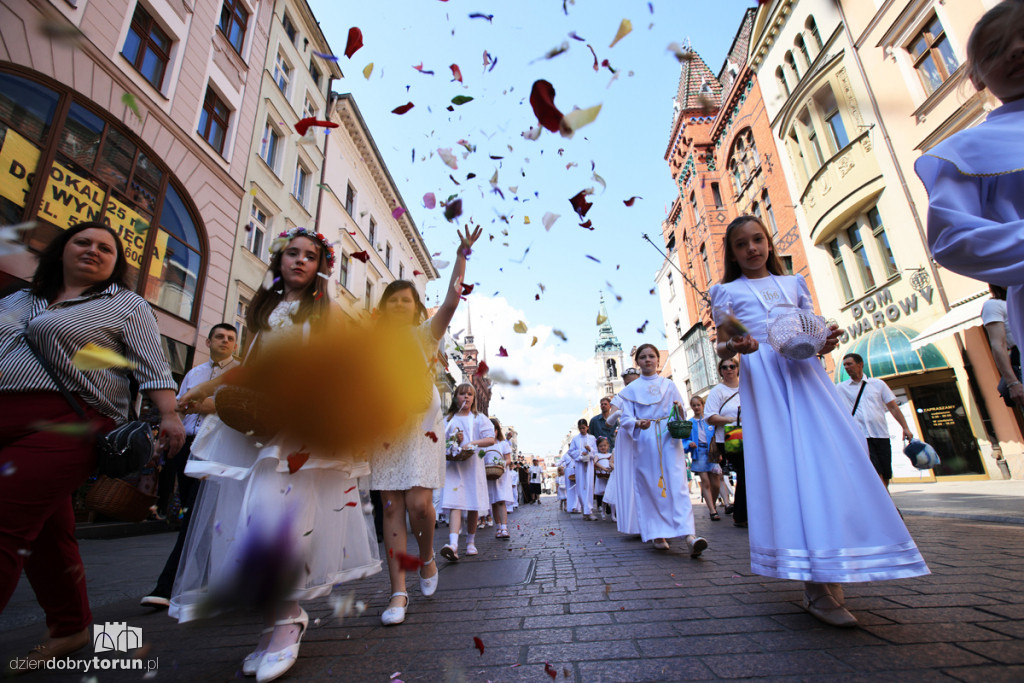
546, 404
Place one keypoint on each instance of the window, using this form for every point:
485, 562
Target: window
350, 201
769, 215
812, 139
737, 177
716, 194
258, 228
860, 256
755, 210
704, 262
300, 185
314, 72
233, 20
387, 256
829, 108
344, 263
241, 310
289, 28
801, 46
837, 260
671, 286
812, 26
882, 242
309, 109
282, 73
372, 233
213, 122
797, 152
933, 57
679, 330
791, 62
693, 208
270, 146
368, 303
401, 271
787, 264
780, 77
147, 47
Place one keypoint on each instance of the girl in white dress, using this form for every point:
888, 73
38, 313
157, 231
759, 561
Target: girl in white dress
499, 491
620, 493
251, 497
603, 465
582, 450
663, 502
819, 513
560, 488
975, 178
465, 481
408, 469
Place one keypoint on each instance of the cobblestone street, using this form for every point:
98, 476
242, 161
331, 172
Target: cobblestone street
599, 606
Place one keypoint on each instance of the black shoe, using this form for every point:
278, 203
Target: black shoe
728, 509
742, 525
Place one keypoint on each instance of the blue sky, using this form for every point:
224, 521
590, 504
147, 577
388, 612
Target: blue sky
625, 146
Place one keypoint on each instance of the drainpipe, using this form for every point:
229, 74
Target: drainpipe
323, 166
968, 369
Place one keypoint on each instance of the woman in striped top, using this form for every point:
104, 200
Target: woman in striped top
77, 297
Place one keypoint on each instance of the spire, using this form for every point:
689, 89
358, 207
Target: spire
699, 90
606, 339
469, 325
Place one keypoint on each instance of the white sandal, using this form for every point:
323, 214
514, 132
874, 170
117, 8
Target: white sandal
395, 615
251, 663
429, 585
275, 664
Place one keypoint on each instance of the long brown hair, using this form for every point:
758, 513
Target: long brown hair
49, 276
498, 434
314, 303
997, 27
732, 267
455, 407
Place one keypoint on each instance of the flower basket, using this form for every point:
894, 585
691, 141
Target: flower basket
678, 428
246, 411
119, 500
795, 333
494, 471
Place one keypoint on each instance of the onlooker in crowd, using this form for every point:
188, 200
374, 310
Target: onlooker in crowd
524, 482
709, 473
77, 297
1004, 347
868, 399
599, 425
536, 481
222, 343
723, 408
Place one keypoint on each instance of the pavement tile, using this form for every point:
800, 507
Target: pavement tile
1002, 651
988, 674
926, 656
819, 638
927, 615
624, 631
581, 652
734, 666
933, 633
1014, 629
697, 645
667, 669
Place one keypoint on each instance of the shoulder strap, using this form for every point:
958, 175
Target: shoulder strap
52, 373
860, 393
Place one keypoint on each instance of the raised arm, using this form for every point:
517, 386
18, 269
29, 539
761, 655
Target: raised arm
439, 323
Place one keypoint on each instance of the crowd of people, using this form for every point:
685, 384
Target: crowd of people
809, 459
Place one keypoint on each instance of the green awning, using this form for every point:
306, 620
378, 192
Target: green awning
887, 352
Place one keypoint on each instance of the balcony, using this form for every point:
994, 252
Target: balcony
841, 185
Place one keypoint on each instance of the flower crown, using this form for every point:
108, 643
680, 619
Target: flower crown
282, 240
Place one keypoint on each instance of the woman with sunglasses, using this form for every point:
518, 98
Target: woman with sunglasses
723, 408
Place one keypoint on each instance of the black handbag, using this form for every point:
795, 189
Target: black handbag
120, 452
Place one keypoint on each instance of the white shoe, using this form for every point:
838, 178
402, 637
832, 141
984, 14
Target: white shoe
428, 586
395, 615
471, 549
697, 546
450, 553
251, 663
275, 664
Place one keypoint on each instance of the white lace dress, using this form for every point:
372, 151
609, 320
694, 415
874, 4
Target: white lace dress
247, 493
412, 457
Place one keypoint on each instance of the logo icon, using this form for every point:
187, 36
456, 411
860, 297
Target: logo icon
116, 637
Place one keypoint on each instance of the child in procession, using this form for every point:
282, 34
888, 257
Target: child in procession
837, 524
499, 491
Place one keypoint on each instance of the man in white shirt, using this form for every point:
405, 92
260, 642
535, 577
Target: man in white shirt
536, 480
868, 399
222, 342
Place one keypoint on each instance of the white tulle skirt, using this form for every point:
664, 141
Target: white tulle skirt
247, 489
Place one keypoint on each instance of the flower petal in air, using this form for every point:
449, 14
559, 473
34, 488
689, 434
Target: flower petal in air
93, 357
578, 118
519, 327
367, 70
456, 73
402, 109
625, 27
542, 99
355, 41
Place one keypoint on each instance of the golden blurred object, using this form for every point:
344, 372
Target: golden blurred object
347, 388
93, 357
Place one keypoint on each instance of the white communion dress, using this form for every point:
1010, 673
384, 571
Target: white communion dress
500, 490
659, 462
818, 511
248, 494
620, 492
465, 481
415, 455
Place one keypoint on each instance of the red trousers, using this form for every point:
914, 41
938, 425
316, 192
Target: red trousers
39, 470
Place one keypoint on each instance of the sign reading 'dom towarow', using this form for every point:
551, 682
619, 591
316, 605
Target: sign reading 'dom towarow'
876, 311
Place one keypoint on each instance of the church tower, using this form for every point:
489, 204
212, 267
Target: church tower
607, 357
470, 363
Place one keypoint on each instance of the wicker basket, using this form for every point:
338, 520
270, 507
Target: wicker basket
494, 471
119, 500
460, 455
796, 333
244, 410
602, 475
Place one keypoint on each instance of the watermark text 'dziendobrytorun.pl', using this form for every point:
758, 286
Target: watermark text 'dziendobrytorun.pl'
85, 665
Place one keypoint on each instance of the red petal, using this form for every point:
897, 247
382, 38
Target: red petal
432, 436
408, 562
355, 41
296, 461
456, 73
580, 204
631, 200
542, 99
361, 256
502, 353
397, 213
550, 671
467, 289
589, 225
404, 108
416, 272
482, 369
479, 644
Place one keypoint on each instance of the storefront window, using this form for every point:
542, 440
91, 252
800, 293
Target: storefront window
944, 425
99, 173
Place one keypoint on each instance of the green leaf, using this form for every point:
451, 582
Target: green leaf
461, 99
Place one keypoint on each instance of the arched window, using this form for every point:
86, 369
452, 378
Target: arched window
812, 28
791, 62
780, 77
97, 170
801, 46
743, 159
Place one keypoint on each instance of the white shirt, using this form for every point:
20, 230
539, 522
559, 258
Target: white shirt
994, 311
536, 473
196, 376
871, 411
719, 403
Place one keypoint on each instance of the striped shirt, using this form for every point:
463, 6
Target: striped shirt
115, 318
